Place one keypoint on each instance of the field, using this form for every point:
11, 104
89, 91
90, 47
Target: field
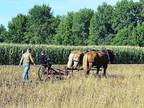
123, 88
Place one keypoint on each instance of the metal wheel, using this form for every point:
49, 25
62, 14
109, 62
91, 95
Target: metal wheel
42, 73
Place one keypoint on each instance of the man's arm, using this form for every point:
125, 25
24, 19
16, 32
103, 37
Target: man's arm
21, 60
32, 60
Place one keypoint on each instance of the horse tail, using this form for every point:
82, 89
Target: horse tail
85, 62
70, 59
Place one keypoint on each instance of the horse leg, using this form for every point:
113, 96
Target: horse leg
104, 71
75, 65
87, 72
98, 69
88, 69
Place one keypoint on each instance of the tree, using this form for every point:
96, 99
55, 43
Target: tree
64, 31
122, 37
139, 35
41, 24
101, 25
126, 13
2, 32
17, 29
81, 24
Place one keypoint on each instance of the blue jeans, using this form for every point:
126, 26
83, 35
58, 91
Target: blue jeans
25, 75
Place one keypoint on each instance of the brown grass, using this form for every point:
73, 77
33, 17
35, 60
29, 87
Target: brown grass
123, 88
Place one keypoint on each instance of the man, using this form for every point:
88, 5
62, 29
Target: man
44, 60
26, 60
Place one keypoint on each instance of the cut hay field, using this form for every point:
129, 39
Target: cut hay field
123, 88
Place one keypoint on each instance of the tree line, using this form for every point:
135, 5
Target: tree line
119, 24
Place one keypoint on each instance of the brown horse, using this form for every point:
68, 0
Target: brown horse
98, 59
75, 59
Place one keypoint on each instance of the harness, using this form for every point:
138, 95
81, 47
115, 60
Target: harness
76, 59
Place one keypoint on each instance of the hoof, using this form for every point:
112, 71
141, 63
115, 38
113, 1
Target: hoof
105, 76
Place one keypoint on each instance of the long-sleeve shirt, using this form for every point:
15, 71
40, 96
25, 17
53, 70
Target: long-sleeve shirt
26, 58
43, 59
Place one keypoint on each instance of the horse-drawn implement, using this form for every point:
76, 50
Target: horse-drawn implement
52, 73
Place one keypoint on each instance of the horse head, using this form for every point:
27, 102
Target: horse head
111, 55
75, 59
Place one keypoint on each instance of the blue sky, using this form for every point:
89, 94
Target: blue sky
10, 8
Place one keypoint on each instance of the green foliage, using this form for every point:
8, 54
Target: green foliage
2, 33
81, 24
74, 28
126, 13
122, 37
17, 28
120, 24
139, 35
130, 36
2, 28
41, 24
10, 54
64, 31
101, 25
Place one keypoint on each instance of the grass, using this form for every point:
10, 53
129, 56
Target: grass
123, 88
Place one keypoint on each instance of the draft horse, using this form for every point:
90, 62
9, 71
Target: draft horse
98, 59
75, 59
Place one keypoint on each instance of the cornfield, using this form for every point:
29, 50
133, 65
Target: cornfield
10, 54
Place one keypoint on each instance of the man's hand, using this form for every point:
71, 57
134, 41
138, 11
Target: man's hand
19, 65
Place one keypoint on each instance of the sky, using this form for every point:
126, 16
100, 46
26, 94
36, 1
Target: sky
10, 8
